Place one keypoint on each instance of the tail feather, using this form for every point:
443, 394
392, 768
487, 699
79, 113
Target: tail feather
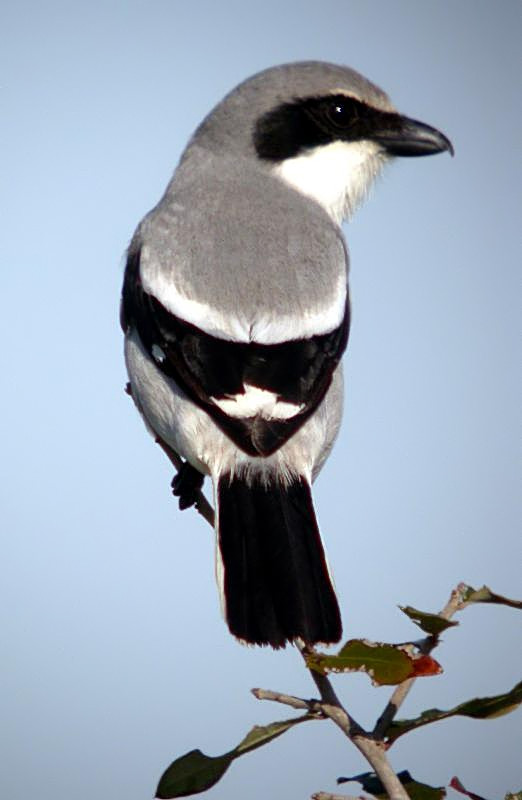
276, 582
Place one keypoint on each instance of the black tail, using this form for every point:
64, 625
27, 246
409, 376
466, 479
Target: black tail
276, 582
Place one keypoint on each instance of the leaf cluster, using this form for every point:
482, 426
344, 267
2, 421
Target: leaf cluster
385, 664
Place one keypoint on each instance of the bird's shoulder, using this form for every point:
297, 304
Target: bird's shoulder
218, 198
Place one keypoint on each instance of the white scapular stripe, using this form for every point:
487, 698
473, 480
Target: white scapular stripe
338, 176
257, 401
258, 327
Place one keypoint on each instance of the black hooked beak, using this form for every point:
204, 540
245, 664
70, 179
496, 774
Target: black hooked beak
409, 137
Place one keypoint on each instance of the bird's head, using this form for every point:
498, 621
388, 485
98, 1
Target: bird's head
322, 128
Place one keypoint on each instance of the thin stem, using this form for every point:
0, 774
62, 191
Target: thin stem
373, 750
330, 703
375, 753
427, 645
288, 700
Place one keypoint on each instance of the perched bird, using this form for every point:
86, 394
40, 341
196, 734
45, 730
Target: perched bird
236, 314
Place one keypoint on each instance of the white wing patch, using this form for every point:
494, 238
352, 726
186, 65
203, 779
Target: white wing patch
158, 354
256, 401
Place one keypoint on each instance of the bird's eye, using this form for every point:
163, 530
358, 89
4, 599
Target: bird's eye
338, 114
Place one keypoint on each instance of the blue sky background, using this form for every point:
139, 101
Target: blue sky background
115, 659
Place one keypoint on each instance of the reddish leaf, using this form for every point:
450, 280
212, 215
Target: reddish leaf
456, 784
386, 664
425, 666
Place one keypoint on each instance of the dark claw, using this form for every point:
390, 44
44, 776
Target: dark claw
186, 485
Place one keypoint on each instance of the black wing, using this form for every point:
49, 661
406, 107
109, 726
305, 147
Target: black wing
205, 367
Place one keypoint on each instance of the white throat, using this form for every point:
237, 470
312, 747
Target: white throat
338, 176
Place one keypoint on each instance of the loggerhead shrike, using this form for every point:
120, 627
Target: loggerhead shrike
236, 314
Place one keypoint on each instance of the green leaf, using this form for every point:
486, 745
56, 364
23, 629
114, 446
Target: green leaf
416, 790
386, 664
195, 772
430, 623
514, 796
478, 708
485, 595
192, 773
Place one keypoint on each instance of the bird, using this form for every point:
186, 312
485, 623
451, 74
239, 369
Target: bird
236, 313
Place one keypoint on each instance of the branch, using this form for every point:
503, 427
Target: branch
373, 750
313, 706
426, 646
330, 706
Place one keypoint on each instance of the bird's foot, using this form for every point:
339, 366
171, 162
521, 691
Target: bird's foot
186, 485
